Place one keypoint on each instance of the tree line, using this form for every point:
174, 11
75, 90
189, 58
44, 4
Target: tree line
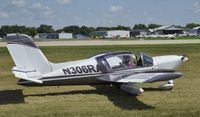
84, 30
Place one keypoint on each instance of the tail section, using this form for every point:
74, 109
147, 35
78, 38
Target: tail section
29, 60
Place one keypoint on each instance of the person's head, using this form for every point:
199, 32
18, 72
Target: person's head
126, 59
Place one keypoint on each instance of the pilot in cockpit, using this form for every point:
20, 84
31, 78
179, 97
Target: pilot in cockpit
129, 61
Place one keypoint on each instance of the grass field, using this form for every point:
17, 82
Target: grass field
100, 101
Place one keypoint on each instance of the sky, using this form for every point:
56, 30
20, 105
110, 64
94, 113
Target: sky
60, 13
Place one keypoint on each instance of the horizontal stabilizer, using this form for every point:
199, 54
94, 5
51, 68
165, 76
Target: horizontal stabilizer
30, 75
33, 80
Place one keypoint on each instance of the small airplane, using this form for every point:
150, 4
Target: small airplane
122, 69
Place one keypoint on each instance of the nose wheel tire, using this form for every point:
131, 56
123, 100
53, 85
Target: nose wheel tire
168, 86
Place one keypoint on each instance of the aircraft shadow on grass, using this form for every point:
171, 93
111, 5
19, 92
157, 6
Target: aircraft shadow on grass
116, 96
11, 97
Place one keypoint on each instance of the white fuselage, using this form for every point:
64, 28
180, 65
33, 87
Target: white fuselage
88, 68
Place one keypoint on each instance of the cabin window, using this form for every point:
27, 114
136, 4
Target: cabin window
122, 62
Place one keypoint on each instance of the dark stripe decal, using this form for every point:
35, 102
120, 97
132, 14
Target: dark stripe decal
67, 76
24, 71
20, 39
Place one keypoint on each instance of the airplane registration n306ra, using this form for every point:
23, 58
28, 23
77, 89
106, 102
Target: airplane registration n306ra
123, 69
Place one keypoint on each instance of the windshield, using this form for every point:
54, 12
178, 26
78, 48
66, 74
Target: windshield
122, 62
147, 60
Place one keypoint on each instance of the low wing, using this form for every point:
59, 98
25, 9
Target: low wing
140, 77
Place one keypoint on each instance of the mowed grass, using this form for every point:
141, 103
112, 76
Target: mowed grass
100, 101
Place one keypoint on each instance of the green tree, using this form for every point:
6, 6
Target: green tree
59, 30
102, 28
32, 31
139, 26
84, 30
72, 29
120, 27
192, 25
4, 30
153, 26
43, 28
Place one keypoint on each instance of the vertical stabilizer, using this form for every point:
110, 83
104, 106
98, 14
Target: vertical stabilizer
27, 57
